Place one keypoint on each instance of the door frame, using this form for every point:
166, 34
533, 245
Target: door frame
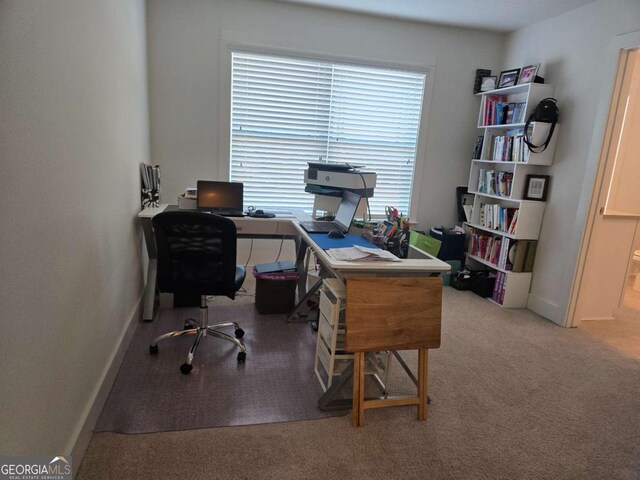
597, 162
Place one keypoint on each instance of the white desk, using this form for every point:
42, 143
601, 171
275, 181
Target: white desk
286, 225
419, 263
281, 226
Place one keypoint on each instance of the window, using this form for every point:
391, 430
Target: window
286, 112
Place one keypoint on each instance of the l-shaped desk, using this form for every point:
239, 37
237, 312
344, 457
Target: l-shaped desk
287, 225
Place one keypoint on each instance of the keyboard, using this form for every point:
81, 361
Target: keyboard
225, 213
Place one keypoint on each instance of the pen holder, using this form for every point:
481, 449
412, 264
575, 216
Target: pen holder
150, 197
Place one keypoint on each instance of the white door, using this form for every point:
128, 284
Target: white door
609, 236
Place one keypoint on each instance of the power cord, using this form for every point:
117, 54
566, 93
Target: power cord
280, 251
250, 252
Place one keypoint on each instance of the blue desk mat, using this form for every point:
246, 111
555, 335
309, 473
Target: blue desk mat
325, 243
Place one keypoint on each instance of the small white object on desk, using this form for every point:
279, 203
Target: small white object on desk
362, 254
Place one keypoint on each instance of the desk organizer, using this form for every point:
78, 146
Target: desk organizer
331, 359
150, 189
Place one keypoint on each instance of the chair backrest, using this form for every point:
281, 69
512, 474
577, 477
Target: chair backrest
393, 313
196, 253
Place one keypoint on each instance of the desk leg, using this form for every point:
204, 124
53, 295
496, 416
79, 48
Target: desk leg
150, 290
301, 251
328, 401
301, 309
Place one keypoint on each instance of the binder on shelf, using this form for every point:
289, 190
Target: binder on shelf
150, 188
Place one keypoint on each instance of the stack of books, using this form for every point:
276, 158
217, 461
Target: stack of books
486, 247
494, 182
510, 147
477, 148
498, 217
497, 111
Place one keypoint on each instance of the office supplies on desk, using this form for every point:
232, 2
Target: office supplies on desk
262, 214
221, 198
362, 254
344, 216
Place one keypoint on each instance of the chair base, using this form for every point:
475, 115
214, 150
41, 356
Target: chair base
201, 330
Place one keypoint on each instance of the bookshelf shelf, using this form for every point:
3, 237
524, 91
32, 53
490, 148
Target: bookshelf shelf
506, 222
503, 126
490, 230
485, 262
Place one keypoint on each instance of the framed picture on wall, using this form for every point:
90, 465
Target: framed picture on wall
528, 74
536, 187
488, 83
508, 78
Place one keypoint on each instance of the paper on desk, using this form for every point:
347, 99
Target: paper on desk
362, 254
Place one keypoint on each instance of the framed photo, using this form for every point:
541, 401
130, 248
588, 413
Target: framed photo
488, 83
536, 187
508, 78
528, 74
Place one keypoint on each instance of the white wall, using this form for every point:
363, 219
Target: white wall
573, 51
188, 78
73, 129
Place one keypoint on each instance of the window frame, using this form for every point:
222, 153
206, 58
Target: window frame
231, 43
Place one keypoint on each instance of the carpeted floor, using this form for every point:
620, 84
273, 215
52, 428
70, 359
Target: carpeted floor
273, 385
514, 396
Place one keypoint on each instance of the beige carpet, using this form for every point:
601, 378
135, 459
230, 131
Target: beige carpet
514, 396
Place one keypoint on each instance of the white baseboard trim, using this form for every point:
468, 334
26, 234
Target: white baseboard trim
546, 309
589, 319
82, 435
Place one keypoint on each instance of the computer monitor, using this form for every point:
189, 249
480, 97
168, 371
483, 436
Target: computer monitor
347, 209
220, 197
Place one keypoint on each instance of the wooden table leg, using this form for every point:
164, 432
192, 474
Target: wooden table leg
362, 365
356, 389
423, 364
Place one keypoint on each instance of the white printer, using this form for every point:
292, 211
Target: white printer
332, 178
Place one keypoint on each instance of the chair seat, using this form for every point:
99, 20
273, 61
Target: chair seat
241, 273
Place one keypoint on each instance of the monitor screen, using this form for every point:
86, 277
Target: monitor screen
347, 209
214, 196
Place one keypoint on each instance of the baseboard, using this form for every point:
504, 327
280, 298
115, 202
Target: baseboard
546, 309
82, 436
589, 319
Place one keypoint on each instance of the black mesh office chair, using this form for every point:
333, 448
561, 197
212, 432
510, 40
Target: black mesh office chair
197, 254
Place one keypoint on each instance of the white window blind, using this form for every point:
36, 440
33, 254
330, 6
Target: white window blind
286, 112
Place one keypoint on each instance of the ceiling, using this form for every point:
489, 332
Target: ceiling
497, 15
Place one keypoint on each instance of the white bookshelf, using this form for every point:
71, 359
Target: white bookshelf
530, 213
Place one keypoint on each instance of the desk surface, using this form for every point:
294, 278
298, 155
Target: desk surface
428, 264
281, 214
288, 224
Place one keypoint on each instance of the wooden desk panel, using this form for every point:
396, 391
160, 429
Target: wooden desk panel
393, 313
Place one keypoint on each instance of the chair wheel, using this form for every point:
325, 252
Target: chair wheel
186, 368
242, 357
189, 324
239, 333
153, 349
